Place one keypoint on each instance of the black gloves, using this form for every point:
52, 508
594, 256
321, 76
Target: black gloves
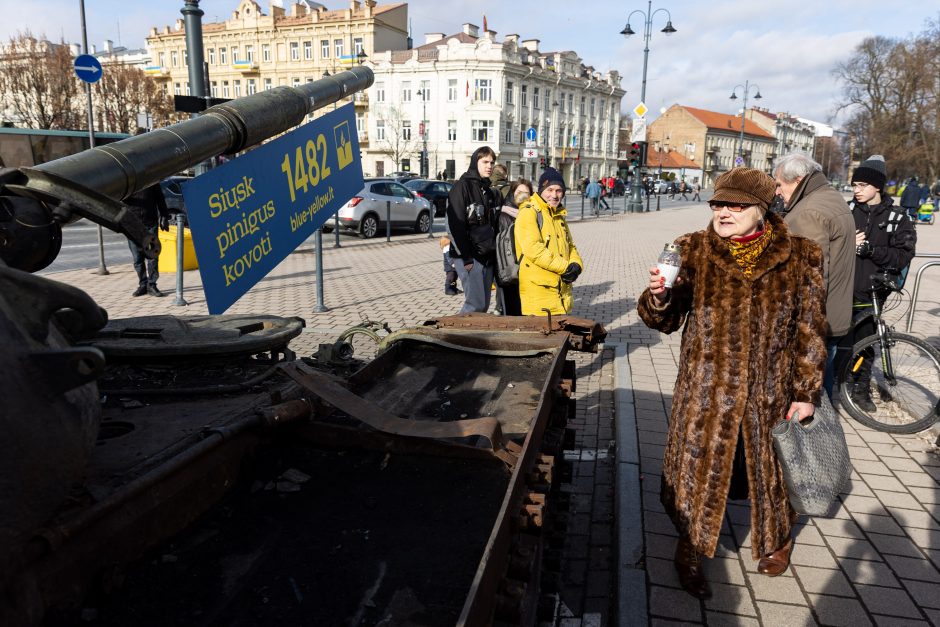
571, 273
864, 249
164, 223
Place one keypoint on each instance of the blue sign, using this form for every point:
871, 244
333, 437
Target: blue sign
249, 214
739, 161
531, 134
87, 68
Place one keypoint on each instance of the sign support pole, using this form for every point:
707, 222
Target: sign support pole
102, 268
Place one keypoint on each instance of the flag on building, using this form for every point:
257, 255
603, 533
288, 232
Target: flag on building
484, 23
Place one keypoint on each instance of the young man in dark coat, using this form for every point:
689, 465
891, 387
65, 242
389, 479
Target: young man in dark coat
471, 223
885, 239
150, 207
910, 198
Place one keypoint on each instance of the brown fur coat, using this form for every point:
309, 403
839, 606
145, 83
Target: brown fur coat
750, 347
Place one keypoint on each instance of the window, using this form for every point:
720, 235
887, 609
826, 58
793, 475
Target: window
570, 103
548, 99
380, 92
162, 58
237, 88
360, 122
324, 48
535, 98
583, 99
483, 89
294, 51
406, 129
177, 89
223, 56
357, 46
451, 90
249, 53
613, 111
338, 48
295, 82
406, 91
252, 86
268, 84
266, 52
174, 58
235, 58
507, 133
592, 106
451, 130
524, 96
481, 130
186, 58
425, 91
214, 89
225, 93
509, 87
380, 129
308, 50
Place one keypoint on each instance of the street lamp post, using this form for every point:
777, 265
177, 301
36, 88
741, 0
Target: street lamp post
734, 96
424, 132
636, 204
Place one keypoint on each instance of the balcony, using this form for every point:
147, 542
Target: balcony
713, 149
245, 66
361, 99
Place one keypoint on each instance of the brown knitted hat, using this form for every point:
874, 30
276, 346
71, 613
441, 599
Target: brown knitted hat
745, 186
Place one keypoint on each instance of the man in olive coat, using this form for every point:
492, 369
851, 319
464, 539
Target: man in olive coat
818, 212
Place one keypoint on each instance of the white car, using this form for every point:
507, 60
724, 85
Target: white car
366, 212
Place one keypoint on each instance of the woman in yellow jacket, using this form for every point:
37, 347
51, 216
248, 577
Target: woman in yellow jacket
549, 262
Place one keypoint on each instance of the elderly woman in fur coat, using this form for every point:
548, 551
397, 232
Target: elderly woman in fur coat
751, 299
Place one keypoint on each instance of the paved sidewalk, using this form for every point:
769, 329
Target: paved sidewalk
876, 562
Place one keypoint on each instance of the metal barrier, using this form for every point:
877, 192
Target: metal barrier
916, 290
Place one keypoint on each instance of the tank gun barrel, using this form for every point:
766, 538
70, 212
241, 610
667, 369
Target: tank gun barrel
118, 170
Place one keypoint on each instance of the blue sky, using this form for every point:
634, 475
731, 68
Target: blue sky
787, 48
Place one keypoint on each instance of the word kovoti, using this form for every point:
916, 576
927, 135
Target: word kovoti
237, 197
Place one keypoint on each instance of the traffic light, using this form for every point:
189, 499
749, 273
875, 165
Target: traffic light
635, 155
542, 162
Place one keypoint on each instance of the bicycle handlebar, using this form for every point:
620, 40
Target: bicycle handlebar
885, 279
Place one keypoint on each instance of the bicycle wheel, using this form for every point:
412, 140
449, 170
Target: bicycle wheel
906, 403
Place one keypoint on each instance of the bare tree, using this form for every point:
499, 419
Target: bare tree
398, 141
123, 92
37, 83
891, 89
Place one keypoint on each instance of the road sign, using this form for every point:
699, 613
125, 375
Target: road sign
638, 132
739, 161
87, 68
640, 110
530, 153
531, 134
420, 129
256, 209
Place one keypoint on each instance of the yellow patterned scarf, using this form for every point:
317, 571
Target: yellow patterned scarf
747, 250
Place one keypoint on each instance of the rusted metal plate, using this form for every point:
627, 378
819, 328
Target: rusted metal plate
585, 334
160, 337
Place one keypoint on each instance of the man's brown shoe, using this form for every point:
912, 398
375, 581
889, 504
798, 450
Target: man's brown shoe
689, 568
777, 562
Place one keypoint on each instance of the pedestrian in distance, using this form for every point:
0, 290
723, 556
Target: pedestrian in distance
885, 239
684, 190
519, 192
602, 199
593, 193
750, 301
550, 262
150, 208
471, 225
818, 212
910, 197
499, 181
696, 192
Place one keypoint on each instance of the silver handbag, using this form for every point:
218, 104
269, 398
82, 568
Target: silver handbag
815, 459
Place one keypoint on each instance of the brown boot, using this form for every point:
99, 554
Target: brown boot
777, 562
689, 568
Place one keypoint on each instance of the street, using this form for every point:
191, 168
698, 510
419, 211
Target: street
80, 248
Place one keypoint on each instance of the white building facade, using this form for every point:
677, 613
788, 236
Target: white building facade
469, 90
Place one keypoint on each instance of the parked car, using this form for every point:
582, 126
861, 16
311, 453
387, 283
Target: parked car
365, 212
172, 188
402, 177
434, 191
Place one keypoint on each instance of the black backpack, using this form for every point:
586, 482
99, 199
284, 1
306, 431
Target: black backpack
507, 262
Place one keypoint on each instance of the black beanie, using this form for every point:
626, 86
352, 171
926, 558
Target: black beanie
551, 176
872, 171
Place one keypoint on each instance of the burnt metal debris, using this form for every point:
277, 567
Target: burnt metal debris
146, 465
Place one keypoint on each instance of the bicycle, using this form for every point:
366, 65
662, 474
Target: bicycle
902, 391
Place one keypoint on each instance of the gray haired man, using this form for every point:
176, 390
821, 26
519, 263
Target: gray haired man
816, 211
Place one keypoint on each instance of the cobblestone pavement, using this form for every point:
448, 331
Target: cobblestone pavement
876, 562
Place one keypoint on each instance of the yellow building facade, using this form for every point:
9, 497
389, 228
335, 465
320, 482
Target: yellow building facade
253, 50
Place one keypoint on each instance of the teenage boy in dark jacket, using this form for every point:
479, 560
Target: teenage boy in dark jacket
885, 239
471, 223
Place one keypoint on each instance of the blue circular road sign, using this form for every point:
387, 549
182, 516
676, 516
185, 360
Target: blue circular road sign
531, 134
87, 68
